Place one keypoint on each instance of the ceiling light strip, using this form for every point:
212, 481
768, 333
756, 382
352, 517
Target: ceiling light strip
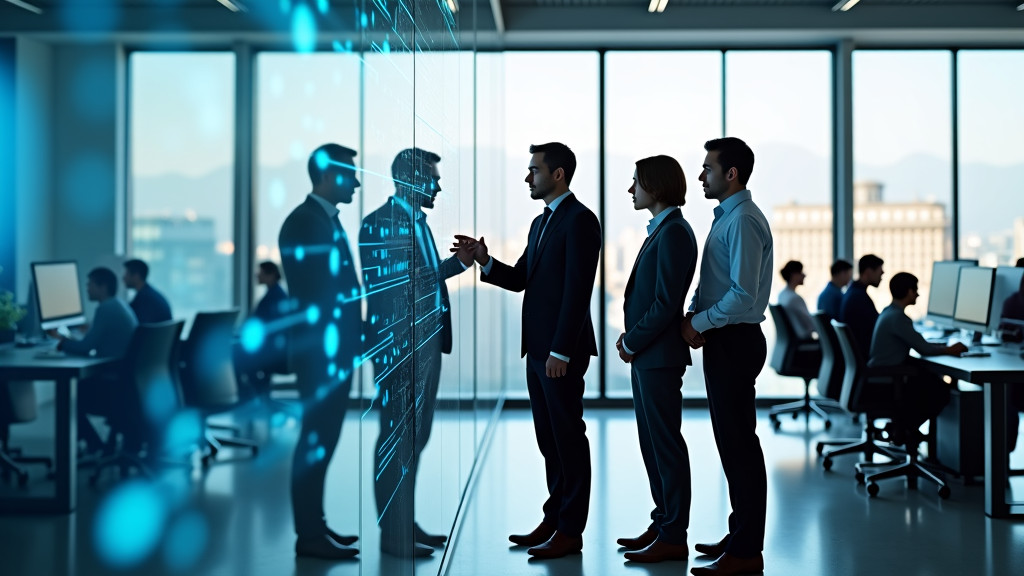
26, 6
661, 5
233, 5
653, 6
844, 5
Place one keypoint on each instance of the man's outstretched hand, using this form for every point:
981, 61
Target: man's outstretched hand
472, 248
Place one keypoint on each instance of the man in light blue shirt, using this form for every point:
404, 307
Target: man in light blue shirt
725, 318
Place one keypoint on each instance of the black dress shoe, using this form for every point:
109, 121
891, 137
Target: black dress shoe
324, 547
716, 549
343, 540
541, 534
640, 542
405, 549
558, 546
660, 552
729, 565
421, 537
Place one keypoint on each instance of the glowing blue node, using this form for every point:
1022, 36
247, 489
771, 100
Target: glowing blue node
337, 313
303, 29
331, 340
253, 334
300, 253
339, 180
386, 47
184, 429
322, 6
363, 21
335, 261
332, 369
128, 524
312, 314
185, 541
277, 419
321, 452
322, 159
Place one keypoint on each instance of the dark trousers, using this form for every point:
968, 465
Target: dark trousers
921, 400
405, 421
733, 357
111, 398
658, 403
557, 405
324, 400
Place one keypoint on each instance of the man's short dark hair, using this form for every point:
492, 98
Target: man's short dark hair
557, 155
792, 267
868, 262
662, 177
901, 284
733, 153
138, 268
104, 277
1020, 262
412, 166
270, 269
840, 266
322, 158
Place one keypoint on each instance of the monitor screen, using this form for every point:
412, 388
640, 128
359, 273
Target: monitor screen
942, 293
58, 294
974, 297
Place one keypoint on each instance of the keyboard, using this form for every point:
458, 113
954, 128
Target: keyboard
52, 353
975, 352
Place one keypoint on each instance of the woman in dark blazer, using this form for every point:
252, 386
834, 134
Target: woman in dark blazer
658, 356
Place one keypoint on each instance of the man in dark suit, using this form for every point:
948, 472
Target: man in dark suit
325, 342
857, 309
658, 355
149, 305
408, 310
557, 271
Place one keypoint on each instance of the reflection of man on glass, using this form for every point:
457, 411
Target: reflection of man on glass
409, 326
325, 341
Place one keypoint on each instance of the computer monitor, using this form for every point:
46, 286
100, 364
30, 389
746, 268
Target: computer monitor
974, 298
58, 294
942, 292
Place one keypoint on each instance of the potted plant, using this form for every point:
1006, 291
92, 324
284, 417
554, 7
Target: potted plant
10, 313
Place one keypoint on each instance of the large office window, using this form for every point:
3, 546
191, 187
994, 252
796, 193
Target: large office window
991, 134
181, 140
655, 103
534, 114
902, 152
780, 103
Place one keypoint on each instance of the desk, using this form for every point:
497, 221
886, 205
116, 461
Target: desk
996, 373
22, 364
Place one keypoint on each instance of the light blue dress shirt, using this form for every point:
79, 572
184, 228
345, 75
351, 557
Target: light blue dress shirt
113, 325
736, 270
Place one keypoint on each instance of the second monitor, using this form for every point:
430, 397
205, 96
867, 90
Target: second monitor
974, 298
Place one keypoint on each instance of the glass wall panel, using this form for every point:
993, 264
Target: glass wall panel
536, 113
780, 103
181, 158
991, 131
674, 115
902, 153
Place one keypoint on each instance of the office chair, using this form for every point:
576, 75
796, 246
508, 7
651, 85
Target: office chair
855, 370
207, 376
17, 405
148, 383
802, 359
831, 374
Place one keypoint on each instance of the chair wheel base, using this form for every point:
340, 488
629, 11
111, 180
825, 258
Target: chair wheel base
872, 489
826, 463
944, 492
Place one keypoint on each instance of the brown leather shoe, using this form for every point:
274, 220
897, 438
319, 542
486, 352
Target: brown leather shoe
660, 552
558, 546
716, 549
731, 566
541, 534
640, 542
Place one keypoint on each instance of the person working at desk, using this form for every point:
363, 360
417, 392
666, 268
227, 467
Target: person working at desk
113, 325
1013, 309
831, 298
891, 342
149, 305
857, 309
793, 303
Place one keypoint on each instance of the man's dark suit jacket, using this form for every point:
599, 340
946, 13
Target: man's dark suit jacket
558, 276
860, 314
320, 271
656, 295
386, 239
150, 306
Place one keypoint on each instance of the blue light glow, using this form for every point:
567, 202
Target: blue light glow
339, 180
185, 541
363, 21
335, 261
313, 438
300, 253
322, 159
184, 430
160, 402
337, 313
331, 340
322, 6
303, 29
128, 524
312, 314
253, 335
285, 5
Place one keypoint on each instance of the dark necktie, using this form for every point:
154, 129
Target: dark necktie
543, 222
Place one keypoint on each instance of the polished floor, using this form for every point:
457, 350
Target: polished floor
819, 523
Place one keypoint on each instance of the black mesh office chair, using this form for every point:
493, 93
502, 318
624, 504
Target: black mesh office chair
799, 358
831, 374
17, 405
207, 375
152, 398
855, 369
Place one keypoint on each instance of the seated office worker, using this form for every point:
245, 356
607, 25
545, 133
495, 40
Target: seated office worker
1013, 308
831, 298
658, 356
857, 309
109, 335
793, 303
255, 367
149, 305
893, 338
